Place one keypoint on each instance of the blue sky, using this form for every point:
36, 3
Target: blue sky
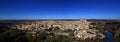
59, 9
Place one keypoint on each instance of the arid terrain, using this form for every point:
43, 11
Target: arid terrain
75, 30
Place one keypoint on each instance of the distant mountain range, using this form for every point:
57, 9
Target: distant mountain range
23, 20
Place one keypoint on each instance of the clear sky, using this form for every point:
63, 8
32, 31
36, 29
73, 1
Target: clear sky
59, 9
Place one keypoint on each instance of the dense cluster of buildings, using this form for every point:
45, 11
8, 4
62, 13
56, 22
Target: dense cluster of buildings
81, 28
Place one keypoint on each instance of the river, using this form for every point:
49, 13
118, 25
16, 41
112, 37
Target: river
108, 36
